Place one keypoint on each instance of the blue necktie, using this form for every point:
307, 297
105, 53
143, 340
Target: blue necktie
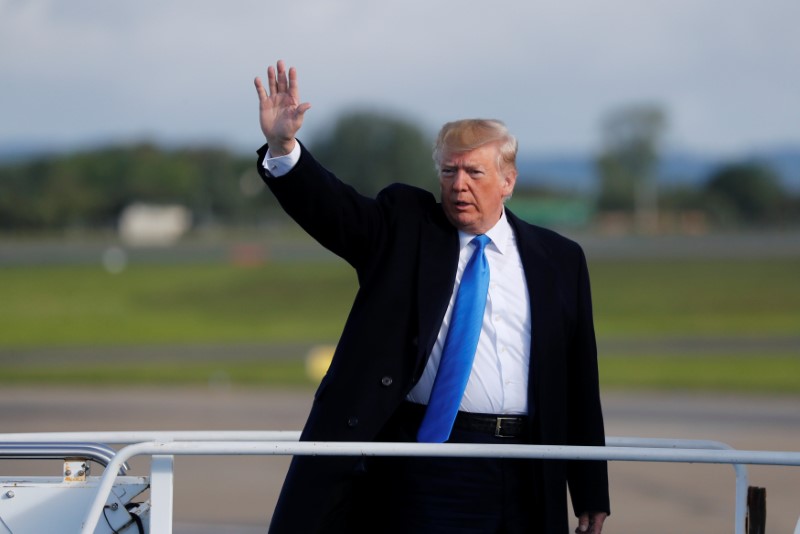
459, 348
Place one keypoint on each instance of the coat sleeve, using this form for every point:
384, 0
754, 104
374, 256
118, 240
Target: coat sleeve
588, 480
332, 212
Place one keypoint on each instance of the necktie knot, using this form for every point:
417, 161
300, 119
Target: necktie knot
481, 241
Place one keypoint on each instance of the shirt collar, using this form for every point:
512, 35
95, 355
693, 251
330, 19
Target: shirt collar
500, 234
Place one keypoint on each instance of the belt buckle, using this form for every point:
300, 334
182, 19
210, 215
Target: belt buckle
498, 429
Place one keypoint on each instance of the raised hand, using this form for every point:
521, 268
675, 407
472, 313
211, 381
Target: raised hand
280, 110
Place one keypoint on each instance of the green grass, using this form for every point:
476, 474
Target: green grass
749, 373
150, 304
189, 304
249, 373
758, 297
742, 373
169, 305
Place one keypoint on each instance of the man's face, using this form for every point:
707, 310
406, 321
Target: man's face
473, 188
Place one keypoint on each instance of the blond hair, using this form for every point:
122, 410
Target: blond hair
469, 134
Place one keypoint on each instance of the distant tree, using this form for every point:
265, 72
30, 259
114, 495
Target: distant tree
749, 193
679, 198
631, 138
370, 150
90, 189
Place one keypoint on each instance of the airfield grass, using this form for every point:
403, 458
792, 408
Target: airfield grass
194, 304
741, 373
271, 372
697, 297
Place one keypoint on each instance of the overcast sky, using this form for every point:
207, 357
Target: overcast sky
77, 72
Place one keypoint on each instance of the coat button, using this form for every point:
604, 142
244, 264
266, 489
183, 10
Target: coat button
352, 422
386, 381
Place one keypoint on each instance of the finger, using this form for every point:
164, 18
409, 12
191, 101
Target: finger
262, 93
583, 524
293, 90
283, 82
273, 86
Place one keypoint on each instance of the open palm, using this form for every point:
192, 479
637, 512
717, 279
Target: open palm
280, 111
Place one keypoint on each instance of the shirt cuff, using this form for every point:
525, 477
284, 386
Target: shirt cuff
281, 165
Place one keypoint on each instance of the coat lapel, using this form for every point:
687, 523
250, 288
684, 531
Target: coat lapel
438, 264
541, 278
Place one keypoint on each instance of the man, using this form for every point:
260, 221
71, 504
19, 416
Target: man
530, 375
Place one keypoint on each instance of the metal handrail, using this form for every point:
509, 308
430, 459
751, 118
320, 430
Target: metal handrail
740, 510
137, 436
60, 450
277, 437
285, 447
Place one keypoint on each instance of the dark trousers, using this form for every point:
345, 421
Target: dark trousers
442, 495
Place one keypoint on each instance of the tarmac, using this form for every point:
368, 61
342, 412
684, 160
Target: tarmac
236, 495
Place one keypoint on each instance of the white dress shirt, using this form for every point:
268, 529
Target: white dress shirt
498, 382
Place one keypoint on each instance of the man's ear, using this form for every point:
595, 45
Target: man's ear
509, 180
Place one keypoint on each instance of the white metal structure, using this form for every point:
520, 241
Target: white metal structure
163, 446
50, 504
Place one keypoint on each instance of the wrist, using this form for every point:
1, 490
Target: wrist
280, 147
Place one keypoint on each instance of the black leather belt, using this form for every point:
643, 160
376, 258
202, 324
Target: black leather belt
501, 426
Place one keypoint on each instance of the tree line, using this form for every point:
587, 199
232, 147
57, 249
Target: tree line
90, 189
737, 193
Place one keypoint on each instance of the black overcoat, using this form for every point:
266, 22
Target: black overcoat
405, 254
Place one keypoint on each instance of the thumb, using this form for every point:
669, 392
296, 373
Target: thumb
583, 523
302, 108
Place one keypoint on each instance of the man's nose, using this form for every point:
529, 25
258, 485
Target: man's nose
460, 181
